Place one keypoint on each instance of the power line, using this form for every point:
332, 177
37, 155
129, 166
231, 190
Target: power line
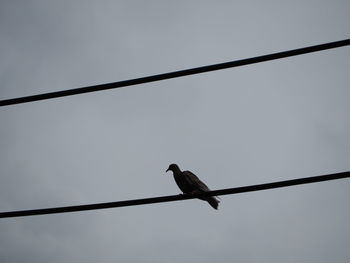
171, 198
176, 74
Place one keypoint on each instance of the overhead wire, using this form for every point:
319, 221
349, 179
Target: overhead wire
171, 198
164, 76
175, 74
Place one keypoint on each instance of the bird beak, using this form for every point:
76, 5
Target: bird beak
167, 170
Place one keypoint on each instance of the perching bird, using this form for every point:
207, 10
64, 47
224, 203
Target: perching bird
189, 183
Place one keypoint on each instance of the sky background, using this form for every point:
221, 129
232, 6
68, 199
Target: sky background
260, 123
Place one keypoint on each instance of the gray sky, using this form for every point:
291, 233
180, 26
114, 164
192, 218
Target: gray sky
266, 122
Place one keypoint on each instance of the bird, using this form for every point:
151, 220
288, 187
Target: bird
189, 183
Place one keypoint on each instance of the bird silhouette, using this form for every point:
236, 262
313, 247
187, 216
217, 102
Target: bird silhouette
189, 183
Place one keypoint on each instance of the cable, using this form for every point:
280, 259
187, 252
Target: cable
175, 74
171, 198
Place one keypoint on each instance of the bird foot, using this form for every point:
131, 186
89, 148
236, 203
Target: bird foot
194, 192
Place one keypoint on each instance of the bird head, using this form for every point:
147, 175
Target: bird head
173, 167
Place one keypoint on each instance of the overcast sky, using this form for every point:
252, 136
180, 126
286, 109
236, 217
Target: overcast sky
271, 121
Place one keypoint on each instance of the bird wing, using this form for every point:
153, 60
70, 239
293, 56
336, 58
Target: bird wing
193, 181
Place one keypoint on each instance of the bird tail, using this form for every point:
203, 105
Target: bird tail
213, 201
